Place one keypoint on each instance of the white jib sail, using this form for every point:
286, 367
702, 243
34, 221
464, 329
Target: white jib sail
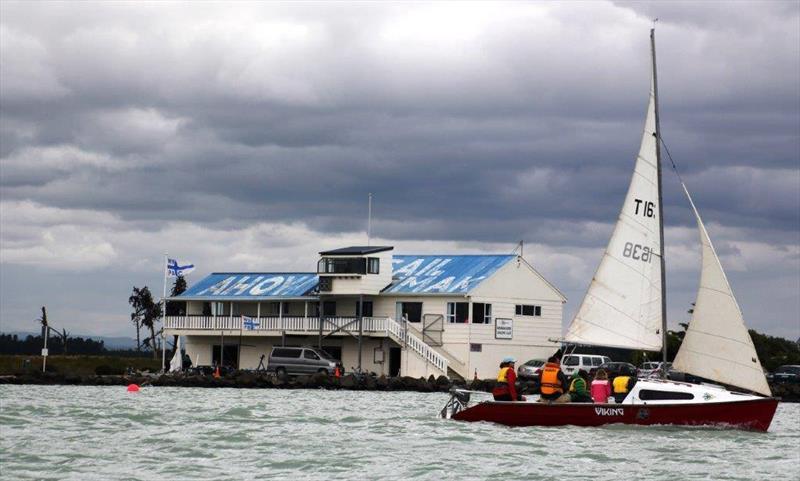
717, 345
622, 307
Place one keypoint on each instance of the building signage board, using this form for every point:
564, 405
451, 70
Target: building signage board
503, 328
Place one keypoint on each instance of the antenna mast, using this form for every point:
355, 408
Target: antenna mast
369, 218
657, 135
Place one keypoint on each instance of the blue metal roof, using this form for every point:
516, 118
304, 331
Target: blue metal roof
442, 274
243, 285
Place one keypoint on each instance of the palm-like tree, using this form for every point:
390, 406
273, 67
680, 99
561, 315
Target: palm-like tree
146, 313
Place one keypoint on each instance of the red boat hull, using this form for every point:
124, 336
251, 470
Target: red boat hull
753, 414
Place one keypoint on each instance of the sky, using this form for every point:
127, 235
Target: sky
247, 136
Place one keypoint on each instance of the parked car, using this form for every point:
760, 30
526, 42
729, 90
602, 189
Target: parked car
651, 369
788, 373
572, 363
295, 361
530, 369
615, 369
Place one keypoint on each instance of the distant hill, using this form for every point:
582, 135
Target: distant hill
111, 343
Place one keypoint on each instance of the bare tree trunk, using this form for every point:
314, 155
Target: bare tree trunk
153, 340
138, 338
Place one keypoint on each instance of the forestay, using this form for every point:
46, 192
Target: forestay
717, 345
622, 307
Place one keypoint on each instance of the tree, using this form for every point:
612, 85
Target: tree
146, 313
43, 321
136, 316
175, 308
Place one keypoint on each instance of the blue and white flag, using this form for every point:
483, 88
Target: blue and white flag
176, 270
249, 323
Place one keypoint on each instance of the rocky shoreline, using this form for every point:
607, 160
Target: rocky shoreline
252, 380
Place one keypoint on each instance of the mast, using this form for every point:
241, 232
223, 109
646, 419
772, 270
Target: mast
657, 135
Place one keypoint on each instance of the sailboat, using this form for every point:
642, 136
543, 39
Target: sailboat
625, 307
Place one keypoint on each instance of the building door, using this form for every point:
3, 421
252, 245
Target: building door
410, 310
230, 358
394, 361
367, 309
334, 351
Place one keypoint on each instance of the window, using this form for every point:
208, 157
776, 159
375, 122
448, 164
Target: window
651, 395
367, 309
347, 265
481, 313
409, 310
476, 347
373, 265
457, 312
570, 360
286, 352
329, 308
310, 355
596, 361
528, 310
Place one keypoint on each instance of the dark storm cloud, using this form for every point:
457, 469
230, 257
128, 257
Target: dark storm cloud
468, 122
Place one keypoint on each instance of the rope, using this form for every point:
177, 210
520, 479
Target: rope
671, 161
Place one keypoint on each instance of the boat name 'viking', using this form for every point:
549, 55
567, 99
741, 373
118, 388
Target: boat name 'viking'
610, 411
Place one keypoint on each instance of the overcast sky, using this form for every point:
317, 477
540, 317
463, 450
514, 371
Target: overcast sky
247, 136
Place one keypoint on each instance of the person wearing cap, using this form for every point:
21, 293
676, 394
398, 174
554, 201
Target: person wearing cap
505, 389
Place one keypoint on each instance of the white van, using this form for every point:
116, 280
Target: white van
572, 363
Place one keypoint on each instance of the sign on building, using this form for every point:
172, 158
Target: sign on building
503, 328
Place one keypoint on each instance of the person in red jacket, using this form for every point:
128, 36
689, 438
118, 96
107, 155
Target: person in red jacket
506, 389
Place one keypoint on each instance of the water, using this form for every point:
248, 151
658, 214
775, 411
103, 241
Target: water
84, 433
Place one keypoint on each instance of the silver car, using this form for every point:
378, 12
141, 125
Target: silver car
295, 361
531, 369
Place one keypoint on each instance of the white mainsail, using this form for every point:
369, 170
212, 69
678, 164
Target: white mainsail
622, 307
717, 345
176, 364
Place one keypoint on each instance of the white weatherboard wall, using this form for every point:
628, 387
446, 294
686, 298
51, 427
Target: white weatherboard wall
364, 284
515, 283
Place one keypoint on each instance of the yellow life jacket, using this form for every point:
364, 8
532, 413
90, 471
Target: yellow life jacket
550, 383
502, 376
621, 384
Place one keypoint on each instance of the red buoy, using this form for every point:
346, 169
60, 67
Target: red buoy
133, 388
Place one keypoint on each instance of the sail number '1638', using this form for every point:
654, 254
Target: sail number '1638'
638, 252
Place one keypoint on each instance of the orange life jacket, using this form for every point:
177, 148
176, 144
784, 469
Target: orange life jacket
502, 376
550, 382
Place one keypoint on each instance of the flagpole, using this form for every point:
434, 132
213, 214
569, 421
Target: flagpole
239, 354
164, 318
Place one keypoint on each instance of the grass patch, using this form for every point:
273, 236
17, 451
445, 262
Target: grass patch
78, 365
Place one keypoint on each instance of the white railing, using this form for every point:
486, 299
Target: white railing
416, 344
288, 323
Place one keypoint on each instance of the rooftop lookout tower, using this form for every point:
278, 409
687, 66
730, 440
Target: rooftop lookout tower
355, 270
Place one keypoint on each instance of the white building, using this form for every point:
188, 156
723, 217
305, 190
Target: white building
411, 315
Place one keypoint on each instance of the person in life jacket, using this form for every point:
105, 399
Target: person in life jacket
621, 386
506, 389
553, 383
578, 392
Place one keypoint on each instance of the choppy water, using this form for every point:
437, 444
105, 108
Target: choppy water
71, 432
